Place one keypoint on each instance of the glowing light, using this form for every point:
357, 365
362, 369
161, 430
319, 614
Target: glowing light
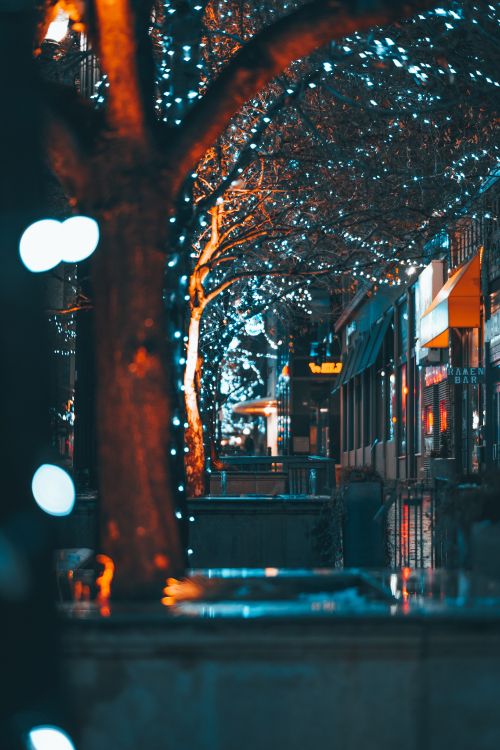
326, 368
254, 325
103, 582
58, 29
39, 245
45, 243
49, 738
80, 236
271, 572
53, 490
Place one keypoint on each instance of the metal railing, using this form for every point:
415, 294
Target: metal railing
305, 475
410, 526
420, 534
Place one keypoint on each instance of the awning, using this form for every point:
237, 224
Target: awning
456, 305
375, 342
350, 365
258, 406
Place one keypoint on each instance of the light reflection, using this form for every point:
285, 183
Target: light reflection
103, 583
394, 585
271, 572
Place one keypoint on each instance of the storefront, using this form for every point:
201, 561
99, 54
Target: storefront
492, 349
453, 397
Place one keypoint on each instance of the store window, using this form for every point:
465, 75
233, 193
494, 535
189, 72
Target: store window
366, 407
391, 417
350, 416
403, 398
344, 418
429, 420
379, 405
443, 416
402, 328
416, 400
359, 411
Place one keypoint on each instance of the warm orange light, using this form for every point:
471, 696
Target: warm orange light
271, 572
429, 421
326, 368
443, 416
435, 374
178, 590
103, 582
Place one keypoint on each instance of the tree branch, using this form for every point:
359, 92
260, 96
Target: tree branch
118, 58
73, 126
266, 55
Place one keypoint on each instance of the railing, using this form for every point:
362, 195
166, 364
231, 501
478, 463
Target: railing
420, 534
410, 526
303, 475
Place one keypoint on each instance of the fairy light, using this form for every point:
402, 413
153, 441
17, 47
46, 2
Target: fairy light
357, 203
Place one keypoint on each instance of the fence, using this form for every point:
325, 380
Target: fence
419, 535
291, 475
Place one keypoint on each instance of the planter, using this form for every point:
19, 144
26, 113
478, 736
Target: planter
331, 678
364, 540
232, 532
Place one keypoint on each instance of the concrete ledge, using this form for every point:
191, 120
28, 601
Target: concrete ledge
160, 683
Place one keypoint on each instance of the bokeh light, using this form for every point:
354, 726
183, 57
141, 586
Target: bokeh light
40, 247
48, 242
80, 235
49, 738
58, 28
53, 490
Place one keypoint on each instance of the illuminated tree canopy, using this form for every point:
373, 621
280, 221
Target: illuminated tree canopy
352, 155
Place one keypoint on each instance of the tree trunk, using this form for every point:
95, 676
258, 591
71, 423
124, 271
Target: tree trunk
138, 525
195, 458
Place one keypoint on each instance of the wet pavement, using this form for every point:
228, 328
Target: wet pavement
272, 593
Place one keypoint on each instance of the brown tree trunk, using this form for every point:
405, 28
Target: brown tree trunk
195, 457
138, 526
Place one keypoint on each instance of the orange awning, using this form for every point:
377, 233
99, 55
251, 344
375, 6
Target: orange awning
456, 305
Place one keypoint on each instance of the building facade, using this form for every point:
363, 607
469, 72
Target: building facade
421, 359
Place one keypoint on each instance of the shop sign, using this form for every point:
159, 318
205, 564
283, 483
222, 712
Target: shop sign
435, 374
465, 375
325, 368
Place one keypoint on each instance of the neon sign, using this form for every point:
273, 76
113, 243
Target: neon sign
326, 368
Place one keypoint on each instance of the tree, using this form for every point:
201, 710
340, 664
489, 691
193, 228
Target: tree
126, 168
369, 197
241, 243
